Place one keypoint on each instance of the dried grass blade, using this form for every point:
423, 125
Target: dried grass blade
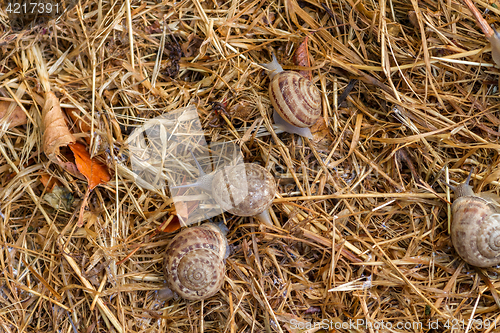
23, 287
116, 323
42, 280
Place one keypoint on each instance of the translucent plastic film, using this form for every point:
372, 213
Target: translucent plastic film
165, 150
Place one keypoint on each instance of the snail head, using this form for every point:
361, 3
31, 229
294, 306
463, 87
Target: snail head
273, 67
204, 180
221, 227
463, 189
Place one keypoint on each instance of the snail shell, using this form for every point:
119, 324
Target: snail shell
295, 99
194, 262
244, 190
475, 229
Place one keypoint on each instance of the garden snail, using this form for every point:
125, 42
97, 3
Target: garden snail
295, 99
475, 229
195, 261
245, 189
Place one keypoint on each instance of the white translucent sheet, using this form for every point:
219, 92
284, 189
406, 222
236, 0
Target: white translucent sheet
162, 153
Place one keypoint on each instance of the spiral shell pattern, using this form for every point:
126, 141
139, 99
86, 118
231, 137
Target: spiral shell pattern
244, 190
475, 231
295, 98
194, 264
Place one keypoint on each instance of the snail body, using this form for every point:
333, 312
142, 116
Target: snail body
475, 228
194, 262
296, 100
245, 189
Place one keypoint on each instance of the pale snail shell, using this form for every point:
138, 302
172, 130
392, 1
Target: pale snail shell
244, 198
475, 228
295, 99
194, 262
245, 189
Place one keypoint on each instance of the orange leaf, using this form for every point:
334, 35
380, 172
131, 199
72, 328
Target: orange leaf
17, 116
95, 172
49, 182
173, 225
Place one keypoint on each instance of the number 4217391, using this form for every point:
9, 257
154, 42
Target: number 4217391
32, 8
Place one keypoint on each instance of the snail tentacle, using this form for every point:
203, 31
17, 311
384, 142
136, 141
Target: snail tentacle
273, 67
204, 180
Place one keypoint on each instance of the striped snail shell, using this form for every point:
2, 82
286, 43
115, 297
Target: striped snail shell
295, 99
194, 262
475, 228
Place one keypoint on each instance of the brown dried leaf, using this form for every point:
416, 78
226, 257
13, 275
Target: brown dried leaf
154, 28
191, 46
81, 122
321, 134
55, 130
16, 118
60, 198
241, 110
301, 58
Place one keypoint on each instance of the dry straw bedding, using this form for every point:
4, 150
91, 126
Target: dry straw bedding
361, 217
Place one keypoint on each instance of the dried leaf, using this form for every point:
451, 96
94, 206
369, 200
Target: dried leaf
56, 134
16, 118
321, 134
154, 28
79, 120
191, 46
56, 195
181, 210
172, 226
49, 182
301, 58
179, 216
55, 130
357, 131
94, 171
60, 198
